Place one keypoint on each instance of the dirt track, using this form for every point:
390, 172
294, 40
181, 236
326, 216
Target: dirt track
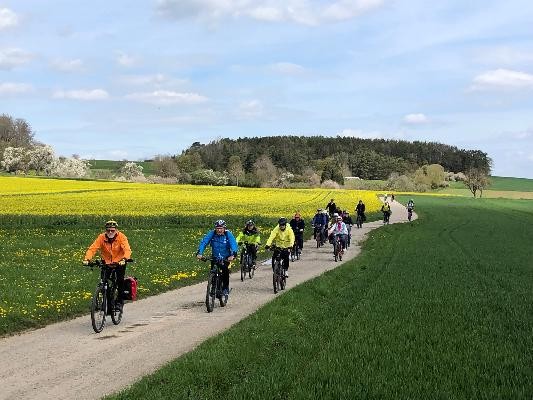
68, 360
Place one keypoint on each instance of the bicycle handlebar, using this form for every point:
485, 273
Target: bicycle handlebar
101, 263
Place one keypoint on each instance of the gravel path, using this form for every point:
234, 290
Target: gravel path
68, 360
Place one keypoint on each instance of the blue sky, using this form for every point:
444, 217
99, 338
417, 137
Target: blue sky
122, 79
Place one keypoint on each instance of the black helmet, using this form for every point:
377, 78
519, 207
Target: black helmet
220, 223
111, 224
250, 222
282, 221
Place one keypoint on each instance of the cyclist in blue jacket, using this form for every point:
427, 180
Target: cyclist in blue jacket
223, 245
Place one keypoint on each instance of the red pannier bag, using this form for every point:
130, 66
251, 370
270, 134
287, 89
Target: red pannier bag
130, 288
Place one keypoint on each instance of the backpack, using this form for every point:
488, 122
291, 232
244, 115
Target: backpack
130, 288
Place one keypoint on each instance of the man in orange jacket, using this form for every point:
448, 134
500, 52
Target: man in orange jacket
115, 250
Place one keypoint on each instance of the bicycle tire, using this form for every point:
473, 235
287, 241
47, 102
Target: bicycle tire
210, 294
116, 314
275, 277
249, 263
98, 309
243, 270
282, 280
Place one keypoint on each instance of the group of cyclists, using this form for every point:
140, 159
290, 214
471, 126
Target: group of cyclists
286, 237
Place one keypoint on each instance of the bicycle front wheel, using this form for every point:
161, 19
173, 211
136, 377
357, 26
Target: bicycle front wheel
98, 309
116, 312
211, 292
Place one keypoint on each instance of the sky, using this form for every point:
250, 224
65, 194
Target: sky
130, 80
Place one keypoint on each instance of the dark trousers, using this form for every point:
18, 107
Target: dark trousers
120, 271
225, 273
299, 238
284, 257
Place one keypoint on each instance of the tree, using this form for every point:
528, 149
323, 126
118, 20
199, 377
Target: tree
432, 175
265, 171
476, 180
235, 169
41, 158
15, 133
70, 168
166, 167
15, 159
190, 162
130, 170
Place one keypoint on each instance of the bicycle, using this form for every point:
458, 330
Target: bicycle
349, 237
337, 248
296, 252
319, 235
386, 217
246, 262
279, 280
214, 284
105, 296
409, 214
359, 221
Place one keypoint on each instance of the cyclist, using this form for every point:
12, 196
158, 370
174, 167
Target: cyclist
410, 208
283, 238
298, 225
319, 223
385, 209
360, 210
331, 207
339, 231
251, 238
347, 219
114, 250
224, 245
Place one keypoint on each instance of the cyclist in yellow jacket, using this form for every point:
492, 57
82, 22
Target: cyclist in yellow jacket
282, 237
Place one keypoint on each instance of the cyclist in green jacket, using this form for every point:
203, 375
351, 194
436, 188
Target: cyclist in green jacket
251, 238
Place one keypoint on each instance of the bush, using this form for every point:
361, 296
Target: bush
329, 184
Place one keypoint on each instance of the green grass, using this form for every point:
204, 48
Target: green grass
114, 166
439, 308
511, 184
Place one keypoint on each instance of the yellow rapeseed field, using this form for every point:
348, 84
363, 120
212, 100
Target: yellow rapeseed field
34, 196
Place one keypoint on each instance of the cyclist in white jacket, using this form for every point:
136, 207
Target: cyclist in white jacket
340, 230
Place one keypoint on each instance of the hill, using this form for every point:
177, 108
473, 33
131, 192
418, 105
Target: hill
365, 158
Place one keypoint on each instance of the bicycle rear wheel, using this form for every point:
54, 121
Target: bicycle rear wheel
210, 294
116, 313
98, 309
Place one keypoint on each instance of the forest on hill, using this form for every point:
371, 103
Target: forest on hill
333, 157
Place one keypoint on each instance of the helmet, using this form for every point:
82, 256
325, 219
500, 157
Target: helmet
282, 221
297, 215
319, 210
220, 223
249, 223
111, 224
335, 215
411, 200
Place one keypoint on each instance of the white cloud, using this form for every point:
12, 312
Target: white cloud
75, 65
416, 119
507, 56
10, 88
13, 57
153, 79
251, 109
85, 95
287, 68
167, 97
307, 12
502, 79
126, 60
8, 18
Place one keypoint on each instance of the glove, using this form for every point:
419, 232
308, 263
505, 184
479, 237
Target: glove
85, 262
122, 262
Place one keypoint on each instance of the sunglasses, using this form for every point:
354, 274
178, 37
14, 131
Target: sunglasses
110, 230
